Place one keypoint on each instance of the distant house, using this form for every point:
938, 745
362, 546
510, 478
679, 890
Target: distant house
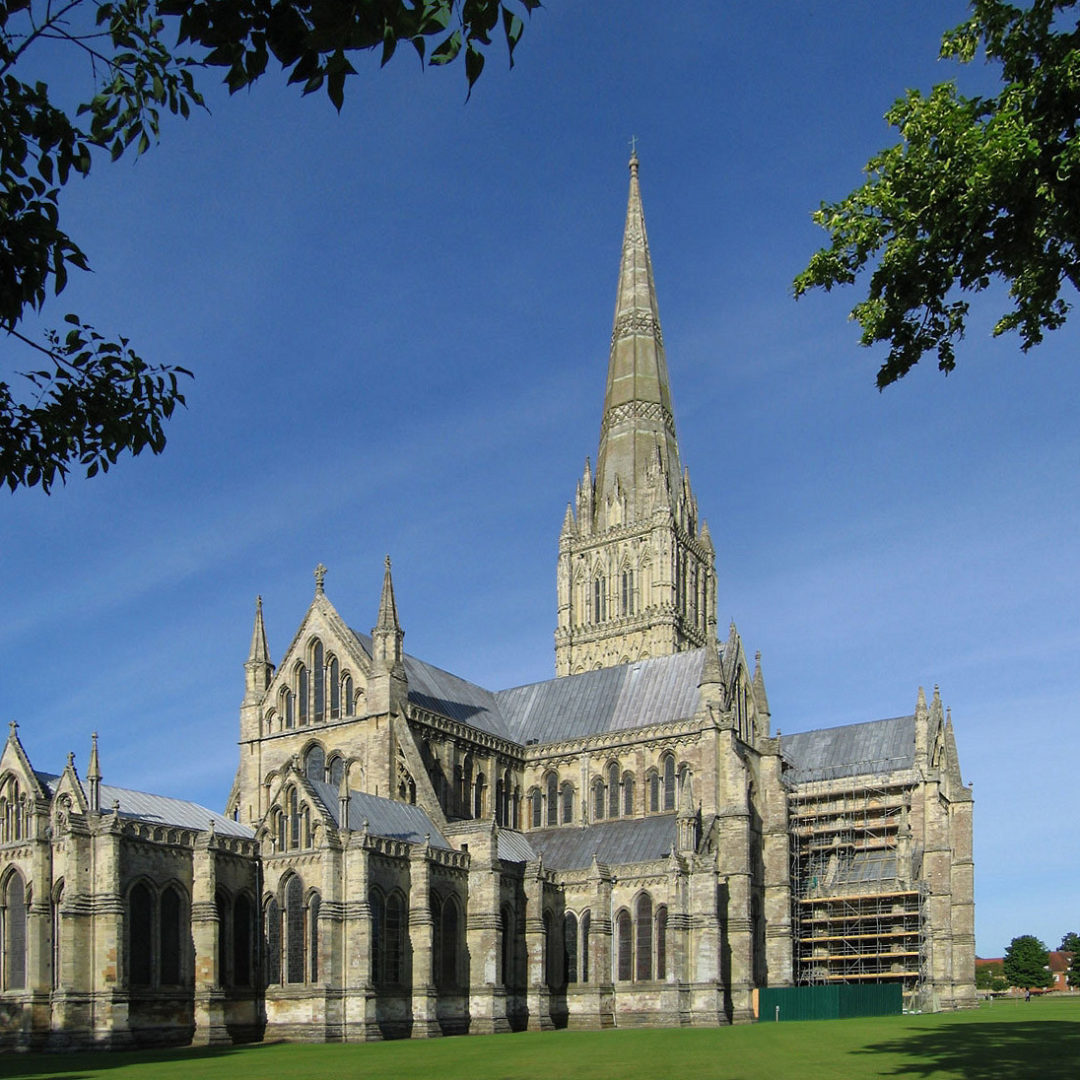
1059, 969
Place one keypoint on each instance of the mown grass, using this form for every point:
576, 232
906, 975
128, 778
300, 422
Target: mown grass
1003, 1041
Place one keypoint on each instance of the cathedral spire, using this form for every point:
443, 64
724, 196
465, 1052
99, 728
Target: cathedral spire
93, 776
638, 415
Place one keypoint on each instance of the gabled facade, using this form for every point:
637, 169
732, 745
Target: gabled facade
405, 853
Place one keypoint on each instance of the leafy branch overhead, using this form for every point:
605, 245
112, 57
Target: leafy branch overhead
97, 399
978, 189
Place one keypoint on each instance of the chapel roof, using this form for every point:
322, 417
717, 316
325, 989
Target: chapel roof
160, 809
874, 747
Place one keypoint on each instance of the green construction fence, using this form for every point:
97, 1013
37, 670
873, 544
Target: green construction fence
829, 1002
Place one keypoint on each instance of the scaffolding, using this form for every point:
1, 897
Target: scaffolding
858, 909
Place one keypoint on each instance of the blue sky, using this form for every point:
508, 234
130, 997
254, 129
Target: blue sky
398, 318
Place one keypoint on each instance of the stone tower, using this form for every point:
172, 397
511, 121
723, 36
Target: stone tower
636, 573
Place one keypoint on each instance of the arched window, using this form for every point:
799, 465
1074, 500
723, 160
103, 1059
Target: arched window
652, 781
661, 942
567, 798
599, 598
478, 796
628, 592
628, 793
292, 810
14, 933
586, 924
57, 925
288, 708
272, 937
377, 904
552, 799
536, 818
624, 944
669, 781
598, 799
570, 946
335, 771
221, 902
499, 802
318, 670
241, 940
506, 953
281, 829
394, 950
172, 933
313, 936
644, 920
334, 679
613, 790
347, 694
140, 936
315, 763
294, 930
302, 692
446, 953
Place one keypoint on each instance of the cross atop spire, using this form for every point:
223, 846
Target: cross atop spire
320, 577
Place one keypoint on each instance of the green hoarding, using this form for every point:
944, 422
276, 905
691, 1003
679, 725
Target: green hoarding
829, 1002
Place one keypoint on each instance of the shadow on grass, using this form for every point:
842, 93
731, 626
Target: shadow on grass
85, 1064
994, 1050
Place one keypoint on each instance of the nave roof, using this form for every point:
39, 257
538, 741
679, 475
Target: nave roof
875, 747
612, 842
384, 817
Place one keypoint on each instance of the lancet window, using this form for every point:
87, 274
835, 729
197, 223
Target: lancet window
613, 790
387, 937
318, 671
566, 797
552, 799
156, 936
13, 933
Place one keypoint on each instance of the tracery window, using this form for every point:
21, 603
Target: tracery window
156, 936
302, 692
586, 924
624, 943
334, 679
57, 936
13, 935
313, 906
272, 938
170, 936
644, 927
335, 771
319, 680
661, 942
613, 790
567, 799
668, 765
315, 763
570, 946
294, 930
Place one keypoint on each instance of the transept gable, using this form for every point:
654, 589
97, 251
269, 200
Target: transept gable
14, 762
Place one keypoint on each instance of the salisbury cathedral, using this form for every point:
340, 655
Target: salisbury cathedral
404, 853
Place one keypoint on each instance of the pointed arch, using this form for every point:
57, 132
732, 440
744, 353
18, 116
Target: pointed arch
566, 801
348, 700
624, 946
272, 941
318, 681
551, 797
613, 789
13, 932
292, 892
667, 766
315, 762
333, 681
303, 692
643, 945
570, 948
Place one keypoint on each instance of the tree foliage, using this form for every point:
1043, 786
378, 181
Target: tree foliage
1027, 963
95, 398
1070, 943
978, 189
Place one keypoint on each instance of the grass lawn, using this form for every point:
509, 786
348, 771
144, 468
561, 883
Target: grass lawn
1003, 1041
